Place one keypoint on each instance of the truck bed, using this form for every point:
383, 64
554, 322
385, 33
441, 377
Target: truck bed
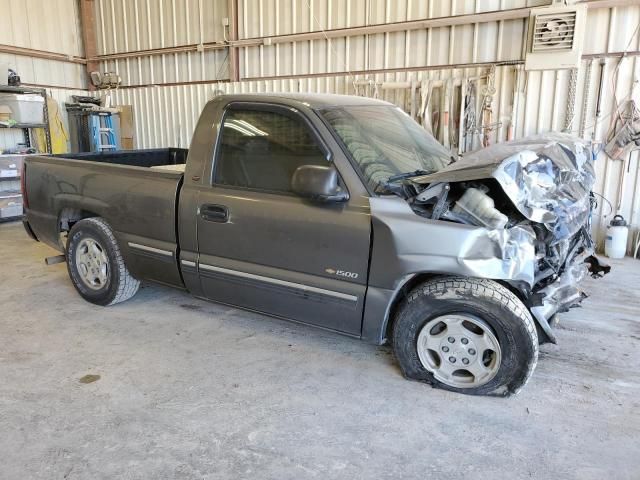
157, 157
132, 190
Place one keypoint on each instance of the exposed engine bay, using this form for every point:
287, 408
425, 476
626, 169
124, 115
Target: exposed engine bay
534, 196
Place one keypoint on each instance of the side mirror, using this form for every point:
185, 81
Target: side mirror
318, 183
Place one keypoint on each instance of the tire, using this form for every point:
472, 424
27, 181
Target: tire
95, 264
442, 314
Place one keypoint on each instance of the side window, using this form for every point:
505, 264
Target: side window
262, 149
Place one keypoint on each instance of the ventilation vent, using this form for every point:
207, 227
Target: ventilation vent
555, 37
554, 32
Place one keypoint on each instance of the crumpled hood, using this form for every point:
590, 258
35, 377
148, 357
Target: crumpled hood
548, 178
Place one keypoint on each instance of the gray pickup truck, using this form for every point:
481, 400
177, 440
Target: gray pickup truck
340, 212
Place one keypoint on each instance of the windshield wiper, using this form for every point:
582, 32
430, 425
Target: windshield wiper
400, 176
390, 186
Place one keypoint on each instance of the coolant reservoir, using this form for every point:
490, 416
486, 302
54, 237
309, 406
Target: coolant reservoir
480, 207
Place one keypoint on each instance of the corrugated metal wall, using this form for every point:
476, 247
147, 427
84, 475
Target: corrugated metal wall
424, 47
524, 103
53, 27
129, 25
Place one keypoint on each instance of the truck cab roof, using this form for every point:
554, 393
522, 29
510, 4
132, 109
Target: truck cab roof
310, 100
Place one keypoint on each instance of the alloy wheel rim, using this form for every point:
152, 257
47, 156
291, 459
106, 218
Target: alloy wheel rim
460, 350
92, 264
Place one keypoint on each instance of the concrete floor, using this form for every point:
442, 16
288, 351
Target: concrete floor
190, 389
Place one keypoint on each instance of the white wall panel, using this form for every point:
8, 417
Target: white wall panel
51, 26
32, 24
281, 17
534, 104
434, 46
127, 25
166, 116
132, 25
39, 71
54, 28
10, 138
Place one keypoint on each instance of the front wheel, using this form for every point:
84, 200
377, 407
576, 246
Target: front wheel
95, 264
467, 335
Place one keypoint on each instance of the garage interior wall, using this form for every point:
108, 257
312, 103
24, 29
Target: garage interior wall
168, 90
174, 55
27, 27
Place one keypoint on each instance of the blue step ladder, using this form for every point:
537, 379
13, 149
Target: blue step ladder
103, 134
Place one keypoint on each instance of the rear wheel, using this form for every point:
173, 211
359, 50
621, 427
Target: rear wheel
466, 335
95, 264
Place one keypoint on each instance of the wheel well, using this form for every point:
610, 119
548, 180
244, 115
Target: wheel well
401, 295
423, 277
69, 216
521, 293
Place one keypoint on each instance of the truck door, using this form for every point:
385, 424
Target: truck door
264, 248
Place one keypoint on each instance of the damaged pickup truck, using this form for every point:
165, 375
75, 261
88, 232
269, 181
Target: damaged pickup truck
340, 212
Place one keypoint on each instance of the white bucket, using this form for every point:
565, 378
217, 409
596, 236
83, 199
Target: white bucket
615, 245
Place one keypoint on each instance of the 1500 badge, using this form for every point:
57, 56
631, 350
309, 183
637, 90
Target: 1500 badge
341, 273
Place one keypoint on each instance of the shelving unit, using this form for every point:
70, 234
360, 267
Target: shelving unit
27, 127
10, 195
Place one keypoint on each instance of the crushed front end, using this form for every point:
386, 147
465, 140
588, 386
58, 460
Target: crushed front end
537, 194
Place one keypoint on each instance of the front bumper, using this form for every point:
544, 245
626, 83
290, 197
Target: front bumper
564, 293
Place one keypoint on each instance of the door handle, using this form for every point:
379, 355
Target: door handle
214, 213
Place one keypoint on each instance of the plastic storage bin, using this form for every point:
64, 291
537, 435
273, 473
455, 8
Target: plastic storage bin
10, 165
10, 205
26, 108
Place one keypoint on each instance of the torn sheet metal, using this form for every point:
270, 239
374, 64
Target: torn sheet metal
547, 177
561, 295
406, 243
502, 253
544, 252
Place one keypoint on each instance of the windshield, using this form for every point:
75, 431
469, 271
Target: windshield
386, 143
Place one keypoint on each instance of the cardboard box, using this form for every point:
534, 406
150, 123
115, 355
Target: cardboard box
5, 113
126, 127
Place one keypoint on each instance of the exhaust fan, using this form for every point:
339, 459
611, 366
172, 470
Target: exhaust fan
556, 35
